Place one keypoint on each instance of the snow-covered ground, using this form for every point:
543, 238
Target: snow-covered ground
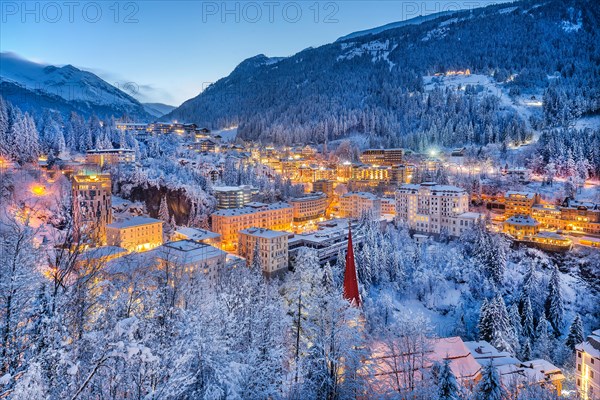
228, 135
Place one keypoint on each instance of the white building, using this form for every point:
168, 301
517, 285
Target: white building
431, 208
357, 204
587, 372
272, 249
135, 234
232, 196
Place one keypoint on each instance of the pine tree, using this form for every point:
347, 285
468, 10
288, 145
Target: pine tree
490, 387
526, 350
4, 128
527, 318
576, 334
448, 388
485, 324
163, 210
554, 302
503, 337
542, 345
256, 258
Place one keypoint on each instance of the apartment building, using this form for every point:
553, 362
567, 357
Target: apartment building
92, 205
357, 204
324, 186
521, 226
587, 373
272, 249
191, 256
573, 216
135, 234
228, 223
519, 203
403, 174
309, 207
198, 235
382, 156
110, 157
431, 208
232, 196
388, 206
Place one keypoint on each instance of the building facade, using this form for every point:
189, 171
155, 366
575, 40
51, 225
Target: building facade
431, 208
271, 246
135, 234
92, 205
228, 223
587, 373
229, 197
382, 156
519, 203
521, 226
110, 157
309, 207
357, 204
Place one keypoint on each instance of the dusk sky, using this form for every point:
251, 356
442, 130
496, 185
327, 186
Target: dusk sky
195, 42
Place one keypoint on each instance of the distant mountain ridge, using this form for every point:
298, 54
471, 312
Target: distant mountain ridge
371, 82
33, 86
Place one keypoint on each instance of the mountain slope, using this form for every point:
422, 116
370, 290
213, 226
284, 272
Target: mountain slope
64, 89
158, 109
373, 84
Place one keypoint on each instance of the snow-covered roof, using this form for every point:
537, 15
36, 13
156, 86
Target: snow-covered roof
102, 252
135, 221
263, 233
433, 187
470, 215
251, 208
230, 188
591, 345
308, 197
523, 220
364, 195
197, 234
483, 352
187, 252
514, 193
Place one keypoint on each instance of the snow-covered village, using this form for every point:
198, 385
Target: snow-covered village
407, 209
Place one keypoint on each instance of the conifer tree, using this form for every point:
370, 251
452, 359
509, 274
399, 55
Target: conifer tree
576, 334
554, 302
490, 386
448, 388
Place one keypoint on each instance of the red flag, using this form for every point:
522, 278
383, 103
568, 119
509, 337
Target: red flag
350, 280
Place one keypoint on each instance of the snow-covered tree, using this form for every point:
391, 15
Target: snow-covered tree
554, 302
490, 386
576, 334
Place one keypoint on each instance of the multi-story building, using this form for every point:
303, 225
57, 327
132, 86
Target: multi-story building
517, 174
431, 208
587, 373
521, 226
549, 216
309, 207
388, 206
382, 156
232, 196
198, 235
328, 240
110, 157
92, 205
358, 204
519, 203
228, 223
135, 234
402, 174
580, 216
190, 256
271, 246
324, 186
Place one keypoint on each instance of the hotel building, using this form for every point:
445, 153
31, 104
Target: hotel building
92, 205
382, 156
309, 207
587, 373
110, 157
232, 196
519, 203
198, 235
520, 226
191, 256
357, 204
431, 208
135, 234
272, 249
228, 223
